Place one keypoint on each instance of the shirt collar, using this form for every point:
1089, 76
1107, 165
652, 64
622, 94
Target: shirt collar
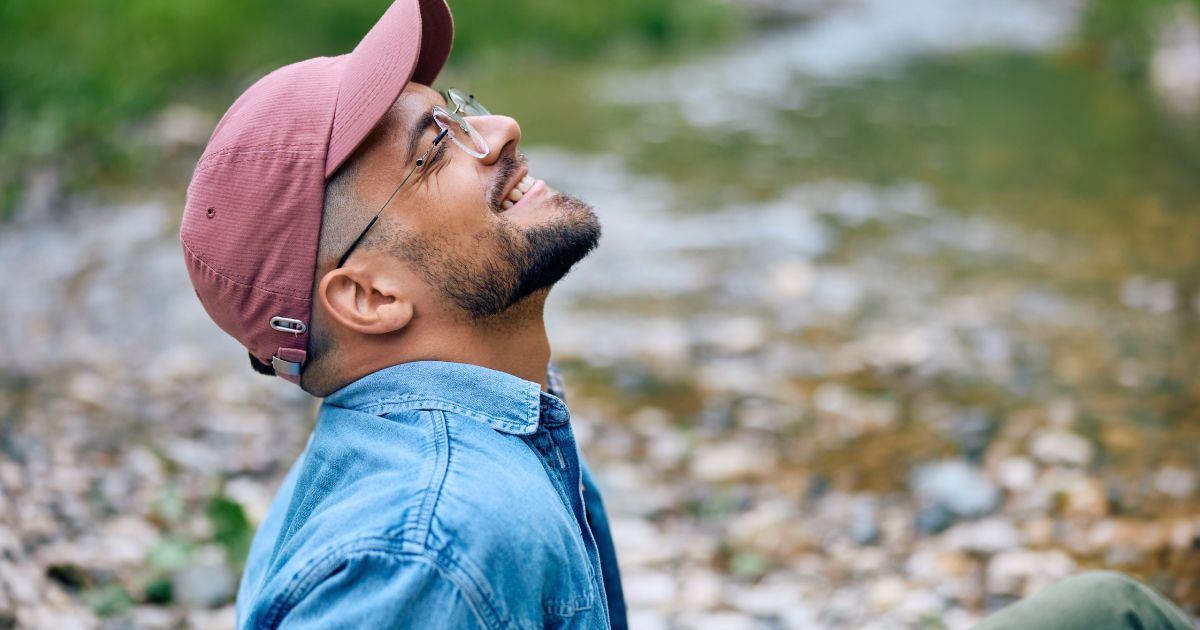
502, 401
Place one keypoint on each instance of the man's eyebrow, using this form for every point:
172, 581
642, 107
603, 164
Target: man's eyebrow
416, 132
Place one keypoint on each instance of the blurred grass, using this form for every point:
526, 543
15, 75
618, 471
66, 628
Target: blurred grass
77, 77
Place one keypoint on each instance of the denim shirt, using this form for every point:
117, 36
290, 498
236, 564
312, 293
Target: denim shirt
435, 495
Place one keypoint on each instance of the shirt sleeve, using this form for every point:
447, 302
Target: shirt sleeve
381, 590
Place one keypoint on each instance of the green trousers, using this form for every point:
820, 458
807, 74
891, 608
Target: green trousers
1091, 601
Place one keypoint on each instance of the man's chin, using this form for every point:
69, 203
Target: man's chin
553, 246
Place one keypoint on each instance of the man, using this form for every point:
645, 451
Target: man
385, 245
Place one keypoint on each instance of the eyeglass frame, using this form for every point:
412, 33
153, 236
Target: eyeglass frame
462, 101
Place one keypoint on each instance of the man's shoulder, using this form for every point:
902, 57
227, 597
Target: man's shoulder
452, 494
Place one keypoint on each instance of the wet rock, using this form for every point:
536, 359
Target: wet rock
1056, 446
960, 488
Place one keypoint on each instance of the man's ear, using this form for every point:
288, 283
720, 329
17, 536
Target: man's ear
365, 299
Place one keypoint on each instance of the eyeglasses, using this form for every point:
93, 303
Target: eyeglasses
451, 124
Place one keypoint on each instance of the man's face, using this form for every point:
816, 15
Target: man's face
450, 222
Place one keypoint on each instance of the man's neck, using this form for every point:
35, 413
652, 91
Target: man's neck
514, 341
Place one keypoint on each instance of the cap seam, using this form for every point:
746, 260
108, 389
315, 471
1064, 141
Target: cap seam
259, 148
225, 276
267, 156
360, 104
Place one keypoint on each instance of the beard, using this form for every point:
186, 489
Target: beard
521, 262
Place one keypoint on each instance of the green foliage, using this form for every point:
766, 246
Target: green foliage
231, 529
75, 74
108, 600
170, 555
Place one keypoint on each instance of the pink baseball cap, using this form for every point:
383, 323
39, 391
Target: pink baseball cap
252, 221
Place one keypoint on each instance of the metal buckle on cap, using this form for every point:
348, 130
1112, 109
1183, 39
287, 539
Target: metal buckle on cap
287, 324
285, 367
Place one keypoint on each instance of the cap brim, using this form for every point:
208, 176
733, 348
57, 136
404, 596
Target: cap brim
409, 43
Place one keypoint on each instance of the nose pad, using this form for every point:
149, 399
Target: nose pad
499, 132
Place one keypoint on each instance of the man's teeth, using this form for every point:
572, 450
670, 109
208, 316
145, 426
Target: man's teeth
515, 195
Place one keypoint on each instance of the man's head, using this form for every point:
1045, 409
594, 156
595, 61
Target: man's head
464, 243
300, 164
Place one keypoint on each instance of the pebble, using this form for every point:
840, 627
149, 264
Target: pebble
724, 620
933, 519
204, 585
646, 589
1056, 446
864, 524
1020, 573
1016, 474
1086, 498
220, 619
957, 486
987, 536
700, 589
640, 542
1175, 481
730, 461
153, 618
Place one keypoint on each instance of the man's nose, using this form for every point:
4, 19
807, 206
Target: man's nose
499, 132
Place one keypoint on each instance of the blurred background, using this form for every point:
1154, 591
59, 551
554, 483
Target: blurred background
896, 318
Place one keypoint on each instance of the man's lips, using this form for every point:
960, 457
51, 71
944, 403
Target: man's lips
512, 184
535, 189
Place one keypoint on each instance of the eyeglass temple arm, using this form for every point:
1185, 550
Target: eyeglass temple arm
419, 163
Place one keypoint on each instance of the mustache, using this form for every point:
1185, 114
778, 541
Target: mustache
510, 164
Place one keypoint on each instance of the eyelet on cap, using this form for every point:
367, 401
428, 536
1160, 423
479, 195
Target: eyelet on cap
287, 324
